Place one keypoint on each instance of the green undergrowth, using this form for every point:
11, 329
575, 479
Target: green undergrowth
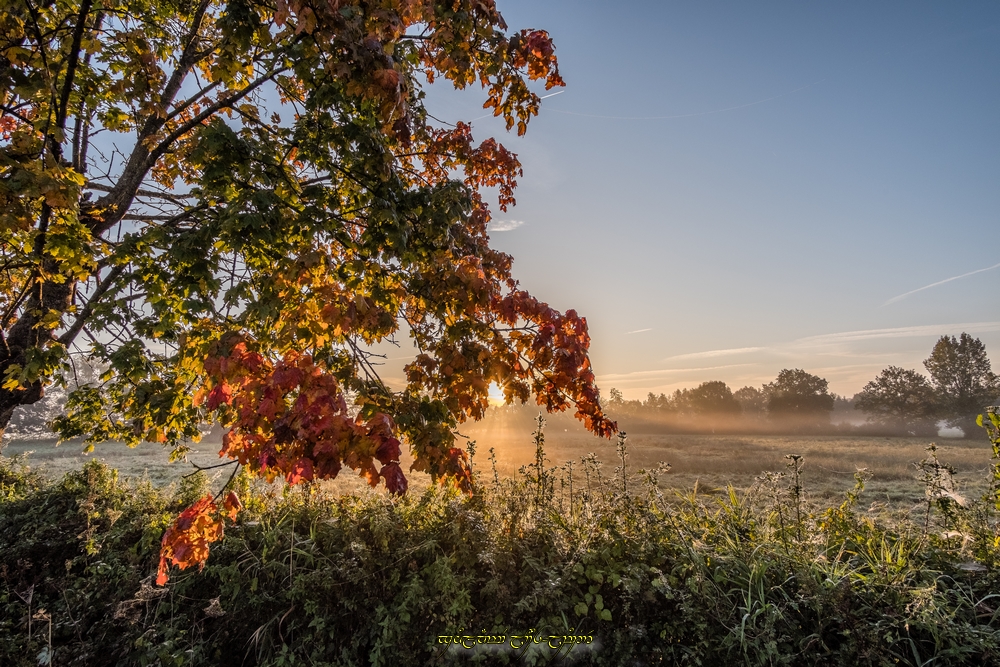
761, 577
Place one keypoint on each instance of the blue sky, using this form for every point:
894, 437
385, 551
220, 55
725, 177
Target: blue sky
726, 189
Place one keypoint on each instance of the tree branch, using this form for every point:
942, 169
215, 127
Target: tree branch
13, 112
70, 334
184, 104
81, 128
12, 308
188, 58
142, 192
74, 58
161, 147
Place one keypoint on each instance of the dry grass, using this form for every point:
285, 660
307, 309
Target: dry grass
148, 460
151, 461
716, 461
710, 461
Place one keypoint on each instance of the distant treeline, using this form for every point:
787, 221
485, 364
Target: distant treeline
898, 402
959, 383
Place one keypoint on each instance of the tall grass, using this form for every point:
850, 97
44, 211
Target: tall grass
761, 576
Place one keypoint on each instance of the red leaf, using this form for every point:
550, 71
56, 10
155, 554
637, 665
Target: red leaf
302, 470
221, 393
395, 480
232, 504
388, 451
186, 541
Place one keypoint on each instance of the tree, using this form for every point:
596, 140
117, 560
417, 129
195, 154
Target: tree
799, 396
898, 398
752, 401
713, 398
620, 406
963, 378
229, 201
617, 398
656, 403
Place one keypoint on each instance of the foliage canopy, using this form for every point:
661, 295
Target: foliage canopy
963, 377
900, 398
225, 203
799, 395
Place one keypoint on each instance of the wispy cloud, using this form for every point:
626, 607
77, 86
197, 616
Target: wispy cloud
839, 344
504, 225
898, 332
638, 331
847, 358
710, 354
940, 282
662, 372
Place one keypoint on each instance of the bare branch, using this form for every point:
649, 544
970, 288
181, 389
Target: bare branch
223, 103
184, 104
88, 309
142, 192
74, 59
151, 218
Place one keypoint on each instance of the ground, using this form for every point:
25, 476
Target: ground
710, 461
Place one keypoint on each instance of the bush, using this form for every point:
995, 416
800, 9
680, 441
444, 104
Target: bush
757, 578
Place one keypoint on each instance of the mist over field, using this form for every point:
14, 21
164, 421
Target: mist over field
709, 434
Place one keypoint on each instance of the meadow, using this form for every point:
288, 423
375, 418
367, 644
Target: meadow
708, 463
714, 462
619, 569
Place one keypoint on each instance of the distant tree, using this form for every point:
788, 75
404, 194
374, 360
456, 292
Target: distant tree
657, 404
799, 396
620, 405
715, 398
842, 402
680, 403
752, 401
844, 408
963, 379
33, 422
899, 398
616, 397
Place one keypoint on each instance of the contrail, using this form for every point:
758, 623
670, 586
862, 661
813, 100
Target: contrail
543, 97
638, 331
940, 282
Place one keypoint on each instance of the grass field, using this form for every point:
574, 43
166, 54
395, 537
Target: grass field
710, 461
147, 460
715, 461
304, 576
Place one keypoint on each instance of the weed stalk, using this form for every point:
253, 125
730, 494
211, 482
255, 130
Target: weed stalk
795, 464
622, 449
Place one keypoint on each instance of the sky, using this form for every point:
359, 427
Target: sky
726, 189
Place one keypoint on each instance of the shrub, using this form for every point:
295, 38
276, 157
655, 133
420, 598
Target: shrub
304, 577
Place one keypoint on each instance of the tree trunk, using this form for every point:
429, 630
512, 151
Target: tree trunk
25, 335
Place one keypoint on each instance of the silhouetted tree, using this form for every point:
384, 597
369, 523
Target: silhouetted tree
963, 379
715, 398
657, 404
899, 398
620, 405
752, 401
799, 396
616, 397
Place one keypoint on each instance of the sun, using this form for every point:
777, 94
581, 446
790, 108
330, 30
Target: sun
496, 395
